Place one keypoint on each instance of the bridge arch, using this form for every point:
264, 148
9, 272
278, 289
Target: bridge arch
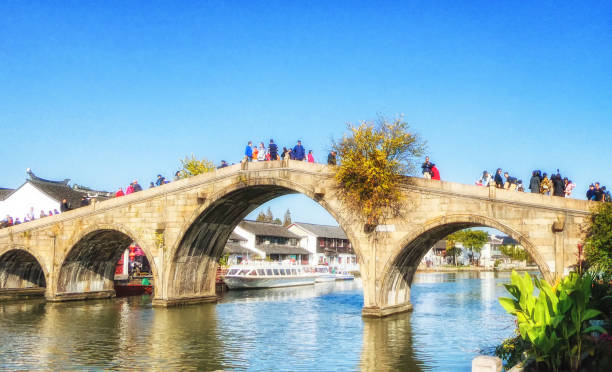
20, 268
89, 263
203, 236
400, 268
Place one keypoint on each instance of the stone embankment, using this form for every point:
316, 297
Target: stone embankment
452, 269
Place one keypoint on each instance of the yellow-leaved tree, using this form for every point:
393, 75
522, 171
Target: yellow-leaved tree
192, 166
373, 157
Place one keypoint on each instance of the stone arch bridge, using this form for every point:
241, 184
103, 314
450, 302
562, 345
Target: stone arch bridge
183, 226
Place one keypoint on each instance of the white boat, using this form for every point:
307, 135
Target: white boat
323, 274
267, 275
343, 275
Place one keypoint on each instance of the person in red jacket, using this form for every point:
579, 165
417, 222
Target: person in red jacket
310, 156
119, 192
435, 174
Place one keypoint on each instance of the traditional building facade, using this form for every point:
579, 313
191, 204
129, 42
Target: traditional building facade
252, 239
326, 244
38, 195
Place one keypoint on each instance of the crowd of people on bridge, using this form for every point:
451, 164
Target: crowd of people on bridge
598, 193
540, 183
65, 206
271, 152
251, 154
30, 216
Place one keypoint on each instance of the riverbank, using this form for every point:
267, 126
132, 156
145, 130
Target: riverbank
450, 269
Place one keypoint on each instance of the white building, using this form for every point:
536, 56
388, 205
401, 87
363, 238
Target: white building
490, 252
37, 194
436, 256
326, 245
251, 239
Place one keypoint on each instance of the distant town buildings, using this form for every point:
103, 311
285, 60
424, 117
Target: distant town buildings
490, 255
308, 244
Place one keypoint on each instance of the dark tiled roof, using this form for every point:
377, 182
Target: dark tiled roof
267, 229
235, 248
237, 237
323, 231
281, 249
59, 191
440, 245
506, 240
5, 192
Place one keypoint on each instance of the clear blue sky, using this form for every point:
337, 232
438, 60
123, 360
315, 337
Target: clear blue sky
105, 92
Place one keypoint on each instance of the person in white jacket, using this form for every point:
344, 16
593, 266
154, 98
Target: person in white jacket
261, 152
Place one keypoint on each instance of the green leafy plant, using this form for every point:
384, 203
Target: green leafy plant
223, 260
512, 350
556, 321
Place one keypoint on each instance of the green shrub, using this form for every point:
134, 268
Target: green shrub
598, 244
556, 322
511, 350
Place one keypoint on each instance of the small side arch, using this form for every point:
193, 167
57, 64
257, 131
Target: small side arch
89, 264
400, 269
20, 268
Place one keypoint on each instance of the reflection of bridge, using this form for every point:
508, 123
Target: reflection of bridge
183, 227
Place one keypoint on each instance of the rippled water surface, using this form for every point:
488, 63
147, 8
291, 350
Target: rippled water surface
456, 315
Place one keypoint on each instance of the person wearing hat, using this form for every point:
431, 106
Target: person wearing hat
160, 180
298, 152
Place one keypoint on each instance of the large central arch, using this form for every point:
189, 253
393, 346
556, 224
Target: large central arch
400, 269
191, 271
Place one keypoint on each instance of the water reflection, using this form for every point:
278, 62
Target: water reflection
284, 329
183, 334
387, 345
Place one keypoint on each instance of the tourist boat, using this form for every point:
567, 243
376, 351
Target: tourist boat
343, 275
323, 274
267, 275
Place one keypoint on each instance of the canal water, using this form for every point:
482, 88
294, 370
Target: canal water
313, 328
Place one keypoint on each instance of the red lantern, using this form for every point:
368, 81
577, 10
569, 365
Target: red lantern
132, 255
